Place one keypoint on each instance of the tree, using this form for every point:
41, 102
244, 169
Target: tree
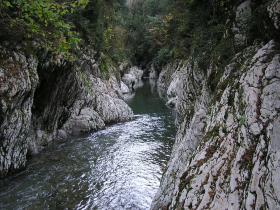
43, 21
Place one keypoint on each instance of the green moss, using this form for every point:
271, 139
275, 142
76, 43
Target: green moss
43, 21
107, 66
242, 104
224, 129
242, 120
214, 78
84, 79
212, 133
231, 98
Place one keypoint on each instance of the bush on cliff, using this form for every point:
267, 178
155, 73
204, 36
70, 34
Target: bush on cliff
43, 21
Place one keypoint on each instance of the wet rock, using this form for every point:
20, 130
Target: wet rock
46, 99
165, 78
124, 88
153, 73
87, 120
133, 79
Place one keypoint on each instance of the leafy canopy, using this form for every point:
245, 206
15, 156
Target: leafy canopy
44, 21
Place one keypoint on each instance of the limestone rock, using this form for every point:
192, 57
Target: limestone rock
46, 99
124, 88
88, 120
18, 81
274, 13
242, 19
153, 73
133, 79
226, 154
165, 78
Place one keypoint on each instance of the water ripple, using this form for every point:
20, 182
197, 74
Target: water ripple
116, 168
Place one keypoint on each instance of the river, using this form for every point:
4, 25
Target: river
116, 168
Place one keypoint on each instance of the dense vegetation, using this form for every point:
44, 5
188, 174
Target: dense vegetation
143, 32
167, 30
63, 26
43, 21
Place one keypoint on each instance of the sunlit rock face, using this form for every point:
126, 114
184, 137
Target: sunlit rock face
165, 78
226, 154
45, 99
133, 78
153, 74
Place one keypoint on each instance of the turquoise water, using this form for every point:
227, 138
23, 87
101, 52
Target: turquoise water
116, 168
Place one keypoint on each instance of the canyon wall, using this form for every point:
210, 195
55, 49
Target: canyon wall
45, 99
226, 153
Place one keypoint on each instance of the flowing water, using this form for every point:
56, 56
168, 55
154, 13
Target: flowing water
116, 168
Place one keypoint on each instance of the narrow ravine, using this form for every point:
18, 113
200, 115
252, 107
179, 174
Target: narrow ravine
116, 168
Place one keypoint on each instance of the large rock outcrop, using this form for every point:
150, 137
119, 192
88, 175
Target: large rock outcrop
133, 78
165, 78
46, 99
226, 154
18, 81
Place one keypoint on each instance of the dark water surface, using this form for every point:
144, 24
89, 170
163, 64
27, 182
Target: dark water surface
116, 168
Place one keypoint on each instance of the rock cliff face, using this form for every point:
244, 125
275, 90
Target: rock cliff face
45, 100
133, 78
18, 82
165, 78
274, 13
226, 154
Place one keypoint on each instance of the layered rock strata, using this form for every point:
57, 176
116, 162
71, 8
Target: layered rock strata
45, 100
226, 154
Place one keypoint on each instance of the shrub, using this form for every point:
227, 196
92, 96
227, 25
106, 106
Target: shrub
43, 21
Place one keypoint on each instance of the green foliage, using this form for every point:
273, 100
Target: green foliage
161, 31
106, 65
163, 57
101, 24
85, 79
260, 26
44, 21
147, 33
150, 31
242, 120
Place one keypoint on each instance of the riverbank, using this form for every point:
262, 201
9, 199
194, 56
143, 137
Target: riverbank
116, 168
46, 98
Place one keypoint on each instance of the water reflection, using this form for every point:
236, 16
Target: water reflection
116, 168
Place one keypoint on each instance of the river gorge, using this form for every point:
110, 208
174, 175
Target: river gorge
116, 168
140, 104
